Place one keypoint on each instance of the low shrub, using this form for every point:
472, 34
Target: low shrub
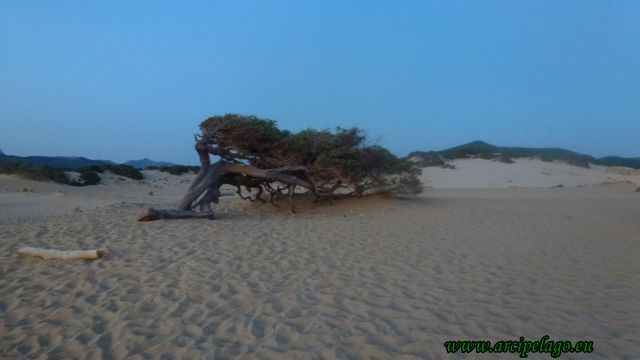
87, 177
34, 172
97, 168
487, 156
426, 159
505, 160
579, 161
176, 170
126, 171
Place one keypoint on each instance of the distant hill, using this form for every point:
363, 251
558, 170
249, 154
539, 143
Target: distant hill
1, 153
57, 162
481, 149
69, 162
145, 163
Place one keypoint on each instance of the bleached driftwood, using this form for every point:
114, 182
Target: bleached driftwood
64, 254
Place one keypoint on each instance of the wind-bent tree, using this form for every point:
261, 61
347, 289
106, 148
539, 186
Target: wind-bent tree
267, 163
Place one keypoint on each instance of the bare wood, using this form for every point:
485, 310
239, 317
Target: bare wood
157, 214
64, 254
200, 184
270, 174
205, 188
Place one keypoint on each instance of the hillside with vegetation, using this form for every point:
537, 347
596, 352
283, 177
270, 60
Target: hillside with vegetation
56, 168
483, 150
60, 162
87, 174
147, 163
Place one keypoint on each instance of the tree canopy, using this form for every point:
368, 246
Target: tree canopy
332, 160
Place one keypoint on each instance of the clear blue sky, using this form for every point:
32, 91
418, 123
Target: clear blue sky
132, 79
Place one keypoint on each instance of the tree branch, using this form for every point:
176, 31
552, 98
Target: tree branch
270, 174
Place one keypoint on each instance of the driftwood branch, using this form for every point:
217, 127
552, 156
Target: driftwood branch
64, 254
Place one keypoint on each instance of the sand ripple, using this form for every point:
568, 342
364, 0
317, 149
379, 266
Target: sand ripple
367, 280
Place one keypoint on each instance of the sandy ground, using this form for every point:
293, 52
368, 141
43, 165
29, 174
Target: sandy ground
373, 278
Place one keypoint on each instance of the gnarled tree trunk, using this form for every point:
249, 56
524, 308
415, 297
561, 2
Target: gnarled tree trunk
205, 187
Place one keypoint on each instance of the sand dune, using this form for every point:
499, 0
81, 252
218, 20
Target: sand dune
372, 278
479, 173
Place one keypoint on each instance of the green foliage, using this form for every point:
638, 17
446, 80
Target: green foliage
121, 170
179, 169
578, 161
339, 158
126, 171
487, 156
426, 159
89, 177
244, 134
34, 172
619, 161
58, 176
505, 160
98, 168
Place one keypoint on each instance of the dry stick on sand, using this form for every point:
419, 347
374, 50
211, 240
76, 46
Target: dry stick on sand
64, 254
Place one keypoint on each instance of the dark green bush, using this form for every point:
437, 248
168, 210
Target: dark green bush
426, 159
176, 170
87, 177
34, 172
546, 157
126, 171
58, 176
579, 161
505, 159
487, 156
97, 168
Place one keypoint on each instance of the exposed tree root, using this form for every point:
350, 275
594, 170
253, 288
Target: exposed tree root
162, 214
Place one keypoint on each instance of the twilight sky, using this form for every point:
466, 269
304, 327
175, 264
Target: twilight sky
131, 79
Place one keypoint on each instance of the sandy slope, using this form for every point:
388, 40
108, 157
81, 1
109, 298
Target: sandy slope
372, 278
478, 173
47, 198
